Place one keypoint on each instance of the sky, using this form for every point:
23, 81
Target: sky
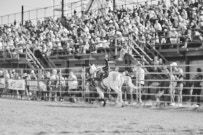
13, 6
8, 7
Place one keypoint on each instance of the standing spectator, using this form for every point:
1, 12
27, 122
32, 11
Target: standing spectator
72, 81
196, 87
140, 77
173, 34
180, 86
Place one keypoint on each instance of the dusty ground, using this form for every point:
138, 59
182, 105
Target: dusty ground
48, 118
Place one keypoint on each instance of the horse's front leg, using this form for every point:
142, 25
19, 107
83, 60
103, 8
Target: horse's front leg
101, 95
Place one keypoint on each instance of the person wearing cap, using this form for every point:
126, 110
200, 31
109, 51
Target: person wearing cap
196, 86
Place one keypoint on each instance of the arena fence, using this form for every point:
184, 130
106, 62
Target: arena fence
29, 84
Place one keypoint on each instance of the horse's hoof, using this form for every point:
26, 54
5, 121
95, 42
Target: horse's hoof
104, 104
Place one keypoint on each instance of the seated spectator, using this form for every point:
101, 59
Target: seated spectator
173, 34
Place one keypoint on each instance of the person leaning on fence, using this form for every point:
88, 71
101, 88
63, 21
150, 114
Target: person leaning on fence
196, 86
180, 85
140, 77
52, 84
173, 82
72, 81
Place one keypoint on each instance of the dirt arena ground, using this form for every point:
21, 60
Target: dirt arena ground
59, 118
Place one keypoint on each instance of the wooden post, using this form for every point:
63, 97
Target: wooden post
137, 84
60, 75
171, 73
22, 15
38, 87
84, 82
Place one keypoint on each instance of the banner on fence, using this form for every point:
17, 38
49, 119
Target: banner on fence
16, 84
2, 83
33, 85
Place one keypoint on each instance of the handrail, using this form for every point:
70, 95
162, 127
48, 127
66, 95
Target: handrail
157, 52
147, 56
137, 53
51, 64
29, 52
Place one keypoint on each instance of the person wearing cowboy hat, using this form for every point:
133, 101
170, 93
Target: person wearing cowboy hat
106, 67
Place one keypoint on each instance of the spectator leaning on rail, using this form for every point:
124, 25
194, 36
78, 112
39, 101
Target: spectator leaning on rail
140, 78
196, 87
173, 82
180, 85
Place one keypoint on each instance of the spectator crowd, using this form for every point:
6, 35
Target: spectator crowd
152, 24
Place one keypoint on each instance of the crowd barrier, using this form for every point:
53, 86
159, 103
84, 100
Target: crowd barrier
34, 84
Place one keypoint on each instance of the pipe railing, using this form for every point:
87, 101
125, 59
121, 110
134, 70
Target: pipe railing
40, 85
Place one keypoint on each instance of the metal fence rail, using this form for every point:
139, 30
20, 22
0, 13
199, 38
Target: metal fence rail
34, 84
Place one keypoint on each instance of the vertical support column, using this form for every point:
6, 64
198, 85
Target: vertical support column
62, 8
84, 82
171, 87
38, 86
22, 15
138, 87
114, 4
14, 17
60, 75
187, 70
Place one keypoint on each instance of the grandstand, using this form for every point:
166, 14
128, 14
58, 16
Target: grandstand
127, 31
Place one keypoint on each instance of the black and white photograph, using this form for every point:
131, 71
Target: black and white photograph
101, 67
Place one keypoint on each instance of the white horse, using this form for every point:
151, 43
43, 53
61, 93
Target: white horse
114, 81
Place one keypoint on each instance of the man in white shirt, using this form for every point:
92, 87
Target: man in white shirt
140, 78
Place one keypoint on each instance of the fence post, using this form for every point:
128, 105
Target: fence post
60, 75
38, 87
137, 84
84, 82
170, 83
22, 14
21, 73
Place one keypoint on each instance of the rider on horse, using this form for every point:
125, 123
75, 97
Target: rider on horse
106, 67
